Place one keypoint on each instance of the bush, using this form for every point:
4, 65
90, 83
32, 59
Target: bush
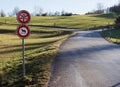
117, 22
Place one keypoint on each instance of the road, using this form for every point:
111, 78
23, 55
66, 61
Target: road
87, 60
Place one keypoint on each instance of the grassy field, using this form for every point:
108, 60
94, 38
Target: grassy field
83, 22
40, 48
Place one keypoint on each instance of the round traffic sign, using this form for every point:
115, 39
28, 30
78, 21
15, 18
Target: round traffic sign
23, 31
23, 16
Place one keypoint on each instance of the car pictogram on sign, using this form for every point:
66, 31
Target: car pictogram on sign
23, 31
23, 16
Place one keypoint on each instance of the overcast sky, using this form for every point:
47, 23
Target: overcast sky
74, 6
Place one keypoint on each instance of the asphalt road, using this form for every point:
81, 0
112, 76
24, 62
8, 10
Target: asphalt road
87, 60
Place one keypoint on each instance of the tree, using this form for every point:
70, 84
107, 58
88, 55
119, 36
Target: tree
10, 14
62, 13
117, 22
99, 6
57, 13
15, 10
45, 14
100, 9
38, 11
2, 13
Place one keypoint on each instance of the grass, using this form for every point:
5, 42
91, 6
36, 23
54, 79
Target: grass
82, 22
40, 48
112, 35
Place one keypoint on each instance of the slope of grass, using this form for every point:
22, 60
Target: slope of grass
83, 22
40, 49
112, 35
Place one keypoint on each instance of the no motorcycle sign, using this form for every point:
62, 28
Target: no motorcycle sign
23, 17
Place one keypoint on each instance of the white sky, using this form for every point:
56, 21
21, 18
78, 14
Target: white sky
74, 6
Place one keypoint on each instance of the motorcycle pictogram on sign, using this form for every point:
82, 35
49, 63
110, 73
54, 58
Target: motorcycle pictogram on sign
23, 17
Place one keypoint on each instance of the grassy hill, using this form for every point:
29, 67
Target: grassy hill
40, 48
83, 22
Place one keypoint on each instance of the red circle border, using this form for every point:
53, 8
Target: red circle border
19, 13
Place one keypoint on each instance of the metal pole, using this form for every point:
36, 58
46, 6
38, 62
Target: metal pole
23, 59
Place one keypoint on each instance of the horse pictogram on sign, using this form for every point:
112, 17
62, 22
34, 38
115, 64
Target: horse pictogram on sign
23, 31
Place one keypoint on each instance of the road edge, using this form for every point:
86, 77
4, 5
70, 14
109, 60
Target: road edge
53, 63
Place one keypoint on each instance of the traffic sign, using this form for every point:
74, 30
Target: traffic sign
23, 31
23, 17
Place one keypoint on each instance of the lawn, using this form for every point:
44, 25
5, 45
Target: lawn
40, 48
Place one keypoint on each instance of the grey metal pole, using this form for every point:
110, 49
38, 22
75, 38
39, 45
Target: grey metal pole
23, 59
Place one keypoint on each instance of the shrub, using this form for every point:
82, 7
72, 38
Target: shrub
117, 22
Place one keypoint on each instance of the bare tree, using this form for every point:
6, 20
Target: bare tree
100, 8
62, 13
15, 10
10, 14
57, 13
2, 13
38, 11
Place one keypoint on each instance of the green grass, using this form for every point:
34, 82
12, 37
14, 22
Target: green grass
112, 35
40, 48
83, 22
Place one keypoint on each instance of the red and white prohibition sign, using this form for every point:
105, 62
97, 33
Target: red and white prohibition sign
23, 16
23, 31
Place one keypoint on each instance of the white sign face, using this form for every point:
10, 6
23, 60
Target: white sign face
23, 31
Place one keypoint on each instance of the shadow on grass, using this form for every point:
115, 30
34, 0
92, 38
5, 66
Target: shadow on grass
113, 33
107, 16
5, 31
28, 47
1, 23
37, 71
48, 26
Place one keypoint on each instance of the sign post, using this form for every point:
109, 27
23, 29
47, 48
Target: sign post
23, 31
23, 59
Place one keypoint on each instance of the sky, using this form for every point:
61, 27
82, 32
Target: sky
74, 6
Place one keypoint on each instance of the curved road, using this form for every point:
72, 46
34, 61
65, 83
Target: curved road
87, 60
